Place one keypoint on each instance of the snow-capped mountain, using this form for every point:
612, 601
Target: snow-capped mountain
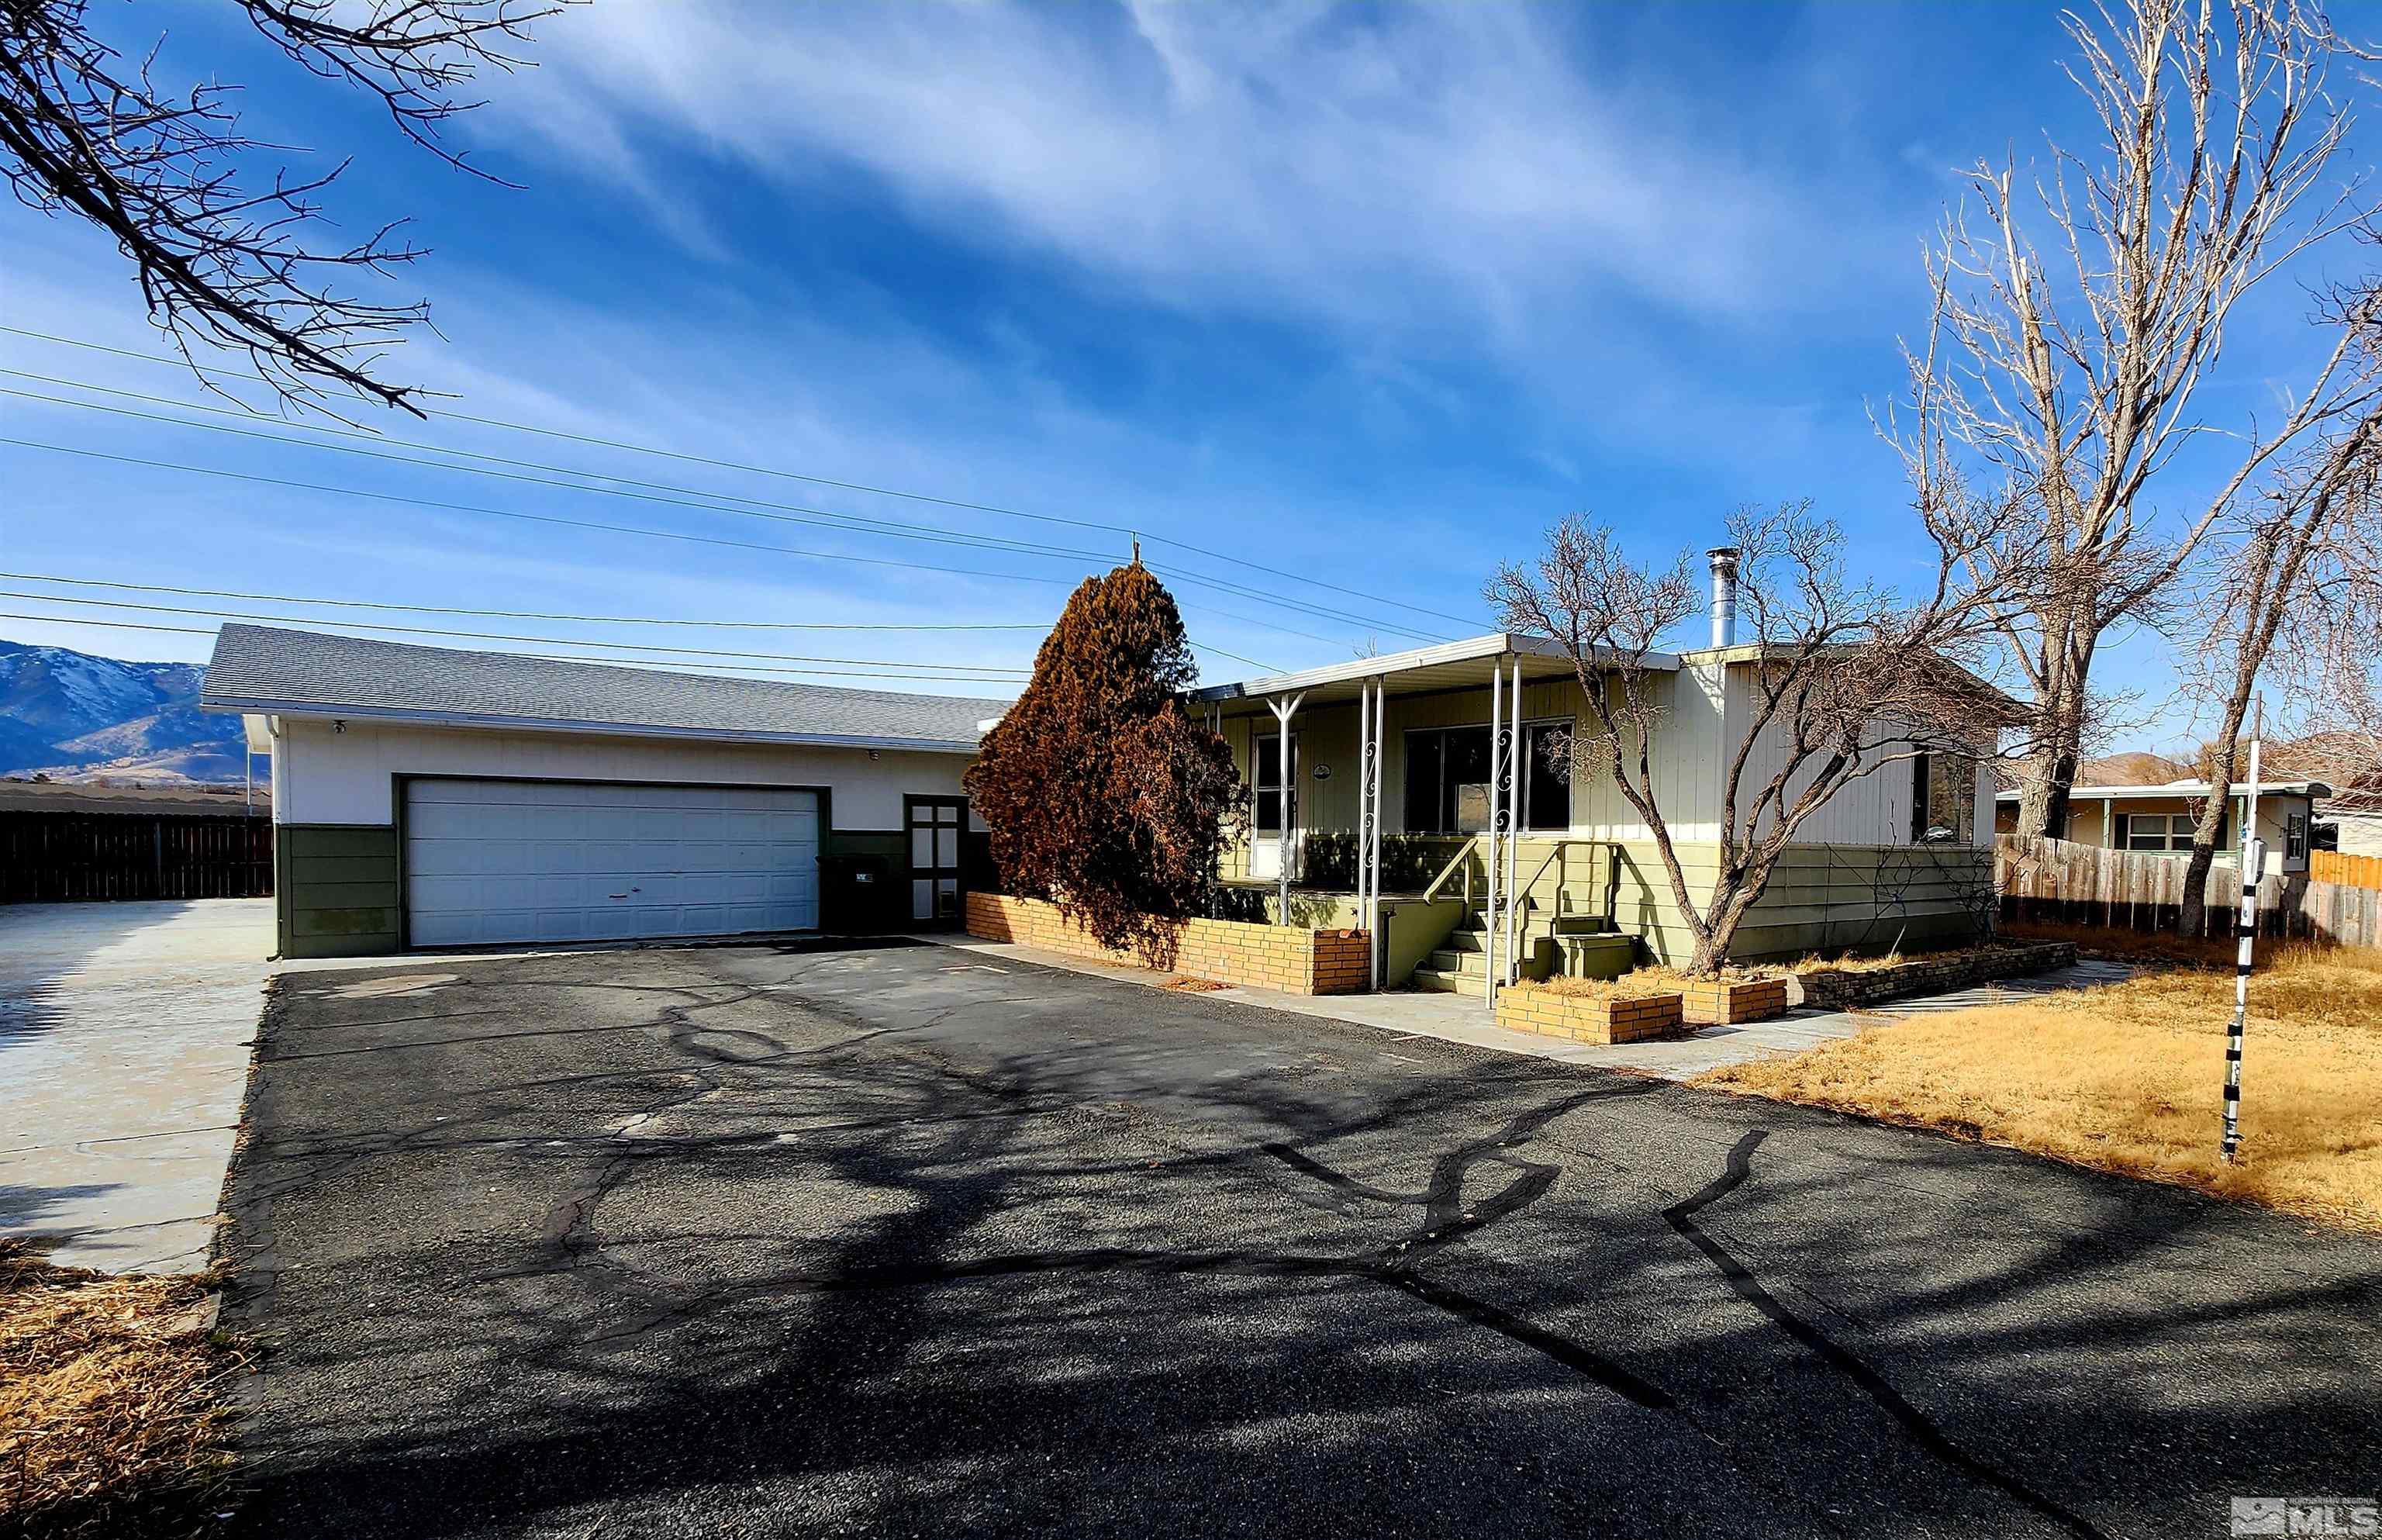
69, 712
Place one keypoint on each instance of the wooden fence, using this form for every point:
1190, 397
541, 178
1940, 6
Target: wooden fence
48, 857
2086, 884
2357, 872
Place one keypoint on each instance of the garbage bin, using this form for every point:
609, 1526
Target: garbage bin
857, 892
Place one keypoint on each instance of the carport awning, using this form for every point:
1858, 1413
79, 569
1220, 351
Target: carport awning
1447, 666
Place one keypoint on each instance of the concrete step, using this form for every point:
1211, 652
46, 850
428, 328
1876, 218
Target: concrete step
1471, 964
1446, 983
1469, 941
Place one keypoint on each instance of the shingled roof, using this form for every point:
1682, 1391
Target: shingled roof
269, 670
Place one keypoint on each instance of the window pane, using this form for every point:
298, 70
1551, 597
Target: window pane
1549, 804
1422, 783
1267, 779
1464, 811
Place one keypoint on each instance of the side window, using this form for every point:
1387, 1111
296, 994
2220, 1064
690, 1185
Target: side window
2295, 837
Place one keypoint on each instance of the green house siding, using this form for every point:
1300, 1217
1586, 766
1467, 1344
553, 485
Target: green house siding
337, 890
1820, 898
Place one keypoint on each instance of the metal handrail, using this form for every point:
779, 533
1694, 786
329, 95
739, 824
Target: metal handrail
1463, 857
1612, 873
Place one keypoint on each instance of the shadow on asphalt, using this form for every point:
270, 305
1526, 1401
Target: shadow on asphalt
799, 1241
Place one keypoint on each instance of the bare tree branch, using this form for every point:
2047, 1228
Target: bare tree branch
220, 260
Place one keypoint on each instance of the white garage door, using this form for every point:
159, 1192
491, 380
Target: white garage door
489, 861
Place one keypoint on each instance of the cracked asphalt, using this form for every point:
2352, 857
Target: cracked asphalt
904, 1240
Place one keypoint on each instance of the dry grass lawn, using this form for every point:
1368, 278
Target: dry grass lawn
2128, 1078
113, 1405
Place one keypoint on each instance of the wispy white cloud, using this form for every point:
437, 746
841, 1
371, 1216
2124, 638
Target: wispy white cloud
1432, 169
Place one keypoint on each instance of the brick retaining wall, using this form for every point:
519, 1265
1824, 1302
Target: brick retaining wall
1289, 958
1552, 1014
1849, 989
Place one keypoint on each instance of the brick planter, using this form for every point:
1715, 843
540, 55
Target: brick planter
1724, 1001
1847, 989
1289, 958
1583, 1019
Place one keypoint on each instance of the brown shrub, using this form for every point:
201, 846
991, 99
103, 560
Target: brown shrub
1100, 794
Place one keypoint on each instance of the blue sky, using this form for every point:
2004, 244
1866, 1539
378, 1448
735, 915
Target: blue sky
1369, 294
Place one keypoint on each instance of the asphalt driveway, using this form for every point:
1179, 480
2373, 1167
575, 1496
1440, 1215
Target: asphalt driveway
902, 1241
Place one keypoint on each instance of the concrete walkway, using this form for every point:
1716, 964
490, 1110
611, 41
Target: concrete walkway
1464, 1019
124, 1048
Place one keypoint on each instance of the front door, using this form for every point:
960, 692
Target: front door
1274, 840
936, 823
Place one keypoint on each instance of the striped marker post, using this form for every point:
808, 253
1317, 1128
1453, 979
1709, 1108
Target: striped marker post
2245, 930
2245, 933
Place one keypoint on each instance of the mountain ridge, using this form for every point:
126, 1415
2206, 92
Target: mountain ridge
75, 715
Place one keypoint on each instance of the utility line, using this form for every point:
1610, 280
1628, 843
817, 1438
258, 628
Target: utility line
548, 656
515, 614
504, 636
795, 512
500, 614
796, 475
822, 518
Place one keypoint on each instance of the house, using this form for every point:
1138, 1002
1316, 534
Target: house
2161, 819
2351, 823
424, 796
1899, 855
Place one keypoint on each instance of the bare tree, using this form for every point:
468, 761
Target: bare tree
2071, 371
221, 258
1846, 679
2298, 573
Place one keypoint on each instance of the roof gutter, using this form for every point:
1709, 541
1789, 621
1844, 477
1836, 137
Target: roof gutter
326, 711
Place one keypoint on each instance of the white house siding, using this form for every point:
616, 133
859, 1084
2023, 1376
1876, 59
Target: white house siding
339, 871
323, 777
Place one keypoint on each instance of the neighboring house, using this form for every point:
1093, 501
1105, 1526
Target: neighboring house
426, 797
2160, 819
2353, 822
1901, 855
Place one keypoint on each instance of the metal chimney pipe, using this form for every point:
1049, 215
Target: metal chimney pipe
1723, 598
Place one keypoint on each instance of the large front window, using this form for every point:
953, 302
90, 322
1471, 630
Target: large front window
1448, 787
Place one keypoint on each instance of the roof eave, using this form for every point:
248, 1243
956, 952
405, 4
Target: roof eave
1468, 649
327, 711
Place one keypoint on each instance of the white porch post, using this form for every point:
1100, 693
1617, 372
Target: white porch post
1283, 708
1372, 707
1517, 757
1490, 915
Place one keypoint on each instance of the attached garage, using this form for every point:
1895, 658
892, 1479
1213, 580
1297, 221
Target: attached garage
492, 861
426, 797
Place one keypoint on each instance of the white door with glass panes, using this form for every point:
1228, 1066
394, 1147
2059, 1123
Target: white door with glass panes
1269, 844
936, 823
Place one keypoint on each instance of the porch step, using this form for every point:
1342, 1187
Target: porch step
1464, 963
1444, 983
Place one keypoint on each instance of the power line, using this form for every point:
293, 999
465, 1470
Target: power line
548, 656
516, 614
505, 614
504, 636
822, 518
599, 440
542, 518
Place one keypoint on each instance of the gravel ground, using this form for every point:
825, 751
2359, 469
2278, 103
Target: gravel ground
897, 1241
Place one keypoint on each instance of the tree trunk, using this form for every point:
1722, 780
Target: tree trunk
2050, 772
